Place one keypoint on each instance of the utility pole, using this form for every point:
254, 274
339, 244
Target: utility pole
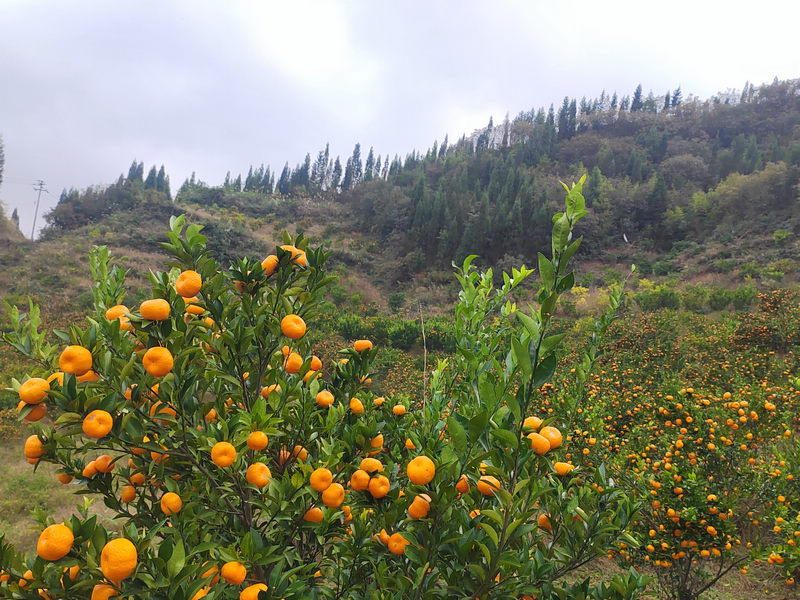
39, 187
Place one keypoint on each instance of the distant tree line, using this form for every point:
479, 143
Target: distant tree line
661, 169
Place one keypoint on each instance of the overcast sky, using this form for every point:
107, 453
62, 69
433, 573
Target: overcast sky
86, 86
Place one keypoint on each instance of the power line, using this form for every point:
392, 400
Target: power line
39, 187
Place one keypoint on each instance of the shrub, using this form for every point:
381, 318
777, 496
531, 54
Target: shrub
744, 296
659, 297
719, 298
695, 297
218, 456
396, 301
405, 334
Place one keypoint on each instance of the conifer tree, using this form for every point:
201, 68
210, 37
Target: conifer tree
676, 97
284, 180
2, 160
336, 175
150, 182
369, 166
347, 181
442, 148
636, 103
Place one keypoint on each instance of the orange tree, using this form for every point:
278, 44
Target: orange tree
235, 469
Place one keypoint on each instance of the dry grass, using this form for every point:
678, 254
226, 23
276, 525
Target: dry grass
23, 489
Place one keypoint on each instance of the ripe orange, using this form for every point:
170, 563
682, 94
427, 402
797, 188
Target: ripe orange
251, 591
258, 474
462, 485
75, 360
257, 440
154, 310
397, 544
532, 423
421, 470
361, 345
34, 390
293, 363
419, 507
55, 542
57, 376
399, 410
313, 515
157, 361
65, 478
539, 443
97, 424
333, 495
356, 407
379, 400
293, 327
128, 494
188, 284
359, 480
104, 463
298, 256
371, 465
410, 445
223, 454
324, 399
321, 479
90, 470
488, 484
118, 559
553, 436
171, 503
104, 591
316, 363
119, 312
269, 264
89, 376
36, 413
193, 306
544, 522
268, 389
563, 468
233, 572
379, 486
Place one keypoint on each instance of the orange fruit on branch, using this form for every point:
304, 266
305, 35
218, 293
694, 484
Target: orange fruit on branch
120, 312
233, 572
293, 327
97, 424
321, 479
171, 503
361, 345
188, 284
157, 361
75, 360
421, 470
258, 474
118, 559
156, 309
55, 542
251, 591
34, 390
223, 454
333, 496
324, 399
257, 440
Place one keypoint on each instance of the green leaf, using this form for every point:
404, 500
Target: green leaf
544, 371
522, 357
477, 425
177, 560
457, 434
546, 271
506, 436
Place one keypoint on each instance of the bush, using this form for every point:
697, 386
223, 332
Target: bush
404, 334
744, 296
719, 298
659, 297
219, 450
694, 298
396, 301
